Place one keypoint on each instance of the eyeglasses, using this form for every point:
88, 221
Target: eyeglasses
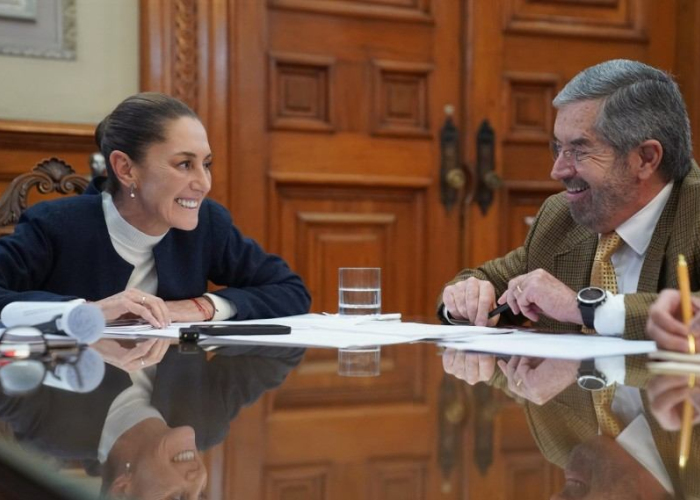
569, 154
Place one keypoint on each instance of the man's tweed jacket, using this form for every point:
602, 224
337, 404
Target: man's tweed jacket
565, 249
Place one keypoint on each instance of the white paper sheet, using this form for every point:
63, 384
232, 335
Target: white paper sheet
317, 330
561, 346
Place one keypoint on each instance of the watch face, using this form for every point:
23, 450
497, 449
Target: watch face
591, 295
591, 382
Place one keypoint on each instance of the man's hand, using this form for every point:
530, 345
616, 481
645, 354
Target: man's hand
665, 326
538, 292
667, 395
471, 368
538, 380
471, 299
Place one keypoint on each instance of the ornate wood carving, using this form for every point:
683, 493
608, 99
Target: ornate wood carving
49, 176
401, 99
397, 480
417, 11
301, 92
292, 483
602, 19
185, 47
529, 112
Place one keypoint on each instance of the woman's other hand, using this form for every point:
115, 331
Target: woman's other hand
134, 302
130, 355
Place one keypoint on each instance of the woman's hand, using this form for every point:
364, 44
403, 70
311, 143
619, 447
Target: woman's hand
189, 310
136, 303
130, 355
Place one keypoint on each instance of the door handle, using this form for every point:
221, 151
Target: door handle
488, 180
453, 177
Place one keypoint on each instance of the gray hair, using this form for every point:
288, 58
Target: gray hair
639, 103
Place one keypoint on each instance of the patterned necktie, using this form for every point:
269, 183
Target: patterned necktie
603, 276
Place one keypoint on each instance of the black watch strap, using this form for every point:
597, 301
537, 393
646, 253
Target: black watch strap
588, 315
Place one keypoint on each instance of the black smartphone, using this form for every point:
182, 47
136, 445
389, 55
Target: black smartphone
220, 330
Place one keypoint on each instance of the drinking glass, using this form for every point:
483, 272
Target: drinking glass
359, 290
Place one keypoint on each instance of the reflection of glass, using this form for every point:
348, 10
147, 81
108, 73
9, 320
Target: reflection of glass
359, 290
359, 361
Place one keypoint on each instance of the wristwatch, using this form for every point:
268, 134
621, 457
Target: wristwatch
588, 299
589, 377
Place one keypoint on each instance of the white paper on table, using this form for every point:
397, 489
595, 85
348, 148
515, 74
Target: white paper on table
316, 337
561, 346
422, 331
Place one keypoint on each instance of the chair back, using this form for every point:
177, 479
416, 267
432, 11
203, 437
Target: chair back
49, 176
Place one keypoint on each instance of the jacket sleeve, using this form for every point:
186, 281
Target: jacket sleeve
26, 259
259, 284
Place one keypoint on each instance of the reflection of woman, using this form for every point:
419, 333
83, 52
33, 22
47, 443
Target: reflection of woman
149, 243
147, 429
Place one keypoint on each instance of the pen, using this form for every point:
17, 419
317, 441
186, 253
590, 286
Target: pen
687, 312
500, 309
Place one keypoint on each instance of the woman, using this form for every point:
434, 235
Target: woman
148, 244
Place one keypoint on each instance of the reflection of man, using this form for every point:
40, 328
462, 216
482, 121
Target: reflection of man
622, 150
600, 469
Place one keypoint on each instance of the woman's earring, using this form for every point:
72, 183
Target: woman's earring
128, 468
132, 191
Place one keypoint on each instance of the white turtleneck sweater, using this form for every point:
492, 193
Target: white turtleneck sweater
136, 248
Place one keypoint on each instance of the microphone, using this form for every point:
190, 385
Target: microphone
83, 322
22, 376
81, 373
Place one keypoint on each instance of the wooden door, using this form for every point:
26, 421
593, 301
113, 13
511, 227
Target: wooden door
341, 110
324, 117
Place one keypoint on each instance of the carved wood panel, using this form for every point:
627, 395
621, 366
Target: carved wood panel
300, 92
620, 19
397, 480
528, 106
319, 229
297, 483
401, 102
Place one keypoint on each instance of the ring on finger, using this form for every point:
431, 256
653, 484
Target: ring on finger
520, 290
143, 362
519, 382
143, 300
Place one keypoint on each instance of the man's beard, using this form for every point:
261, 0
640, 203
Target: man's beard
615, 191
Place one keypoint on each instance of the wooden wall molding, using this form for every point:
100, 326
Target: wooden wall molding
528, 106
615, 20
400, 102
51, 136
300, 93
304, 178
414, 11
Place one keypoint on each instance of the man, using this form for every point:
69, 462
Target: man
622, 149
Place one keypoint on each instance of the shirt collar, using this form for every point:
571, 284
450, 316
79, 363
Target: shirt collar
637, 231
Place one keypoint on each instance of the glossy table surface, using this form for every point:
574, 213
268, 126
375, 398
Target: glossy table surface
143, 433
